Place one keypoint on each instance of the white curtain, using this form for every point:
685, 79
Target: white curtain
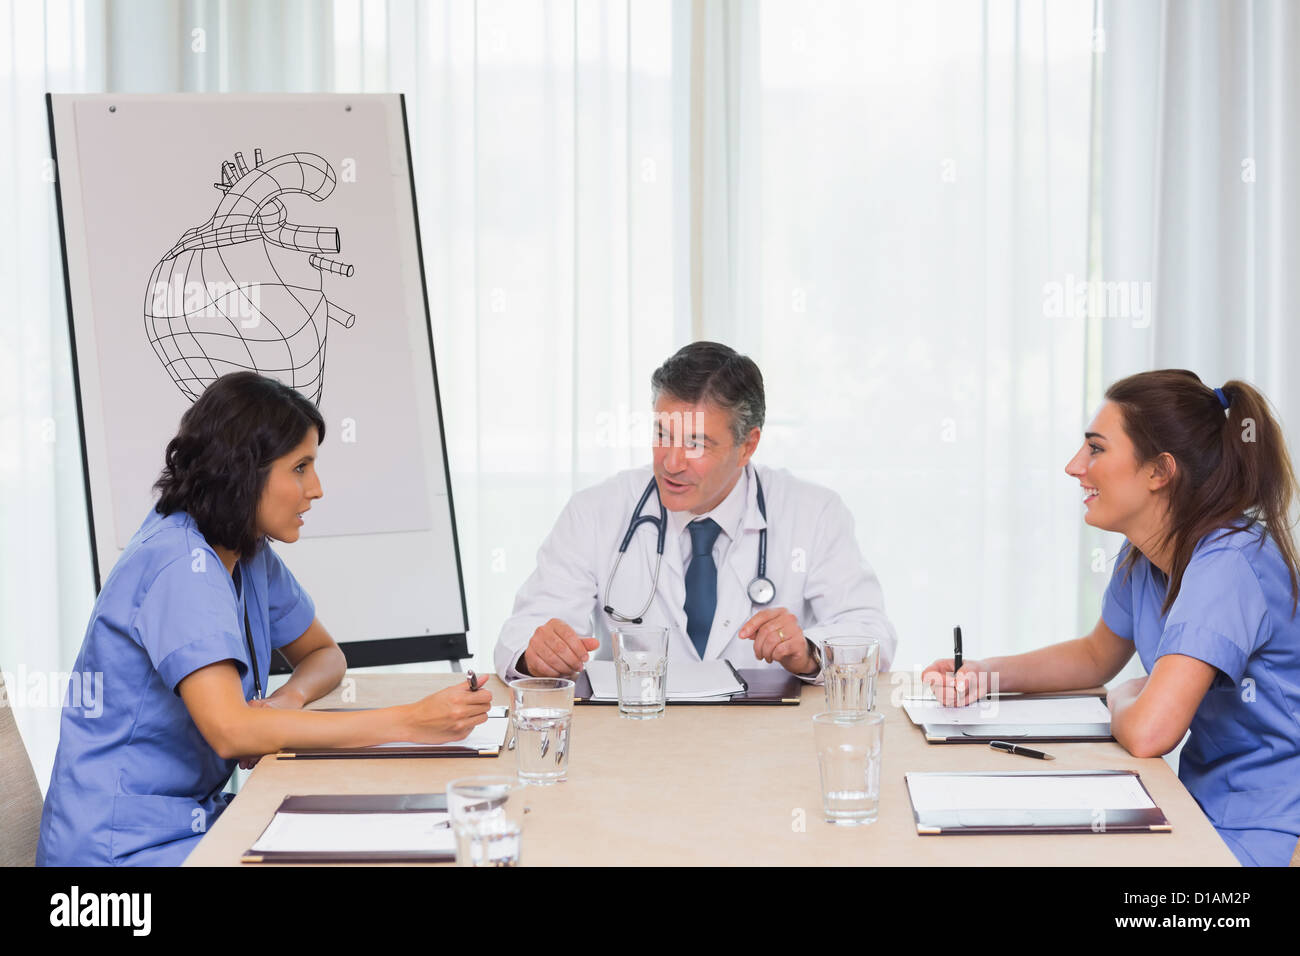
548, 180
910, 182
46, 586
1195, 204
1199, 198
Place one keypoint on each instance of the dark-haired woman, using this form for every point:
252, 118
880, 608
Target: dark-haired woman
196, 598
1199, 481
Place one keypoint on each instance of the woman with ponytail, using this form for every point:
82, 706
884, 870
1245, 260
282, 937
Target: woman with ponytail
1206, 589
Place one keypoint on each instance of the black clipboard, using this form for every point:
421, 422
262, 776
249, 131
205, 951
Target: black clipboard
1016, 733
937, 733
381, 753
762, 686
356, 803
950, 822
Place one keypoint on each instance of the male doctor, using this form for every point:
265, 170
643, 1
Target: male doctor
709, 410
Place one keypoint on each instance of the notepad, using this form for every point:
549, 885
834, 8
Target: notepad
485, 740
410, 831
687, 680
1033, 801
1030, 712
490, 735
956, 791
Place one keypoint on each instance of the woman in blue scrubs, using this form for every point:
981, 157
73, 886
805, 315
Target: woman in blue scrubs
182, 633
1205, 590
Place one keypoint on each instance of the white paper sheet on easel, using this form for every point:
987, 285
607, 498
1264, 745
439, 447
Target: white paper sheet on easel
357, 833
947, 791
1026, 712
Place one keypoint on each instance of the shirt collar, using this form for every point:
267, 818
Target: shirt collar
729, 514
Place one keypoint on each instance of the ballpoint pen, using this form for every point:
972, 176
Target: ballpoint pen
473, 680
1017, 749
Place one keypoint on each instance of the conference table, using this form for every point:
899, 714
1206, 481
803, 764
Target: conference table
722, 785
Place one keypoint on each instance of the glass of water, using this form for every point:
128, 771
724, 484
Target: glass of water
850, 666
487, 816
541, 713
848, 756
641, 663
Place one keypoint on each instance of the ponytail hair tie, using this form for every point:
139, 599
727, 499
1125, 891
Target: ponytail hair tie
1223, 399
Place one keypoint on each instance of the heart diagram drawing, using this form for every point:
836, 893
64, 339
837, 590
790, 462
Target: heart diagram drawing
246, 289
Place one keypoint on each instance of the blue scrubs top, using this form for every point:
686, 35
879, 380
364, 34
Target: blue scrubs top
1233, 611
134, 782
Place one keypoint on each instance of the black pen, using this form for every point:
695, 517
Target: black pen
1017, 749
739, 680
473, 680
956, 649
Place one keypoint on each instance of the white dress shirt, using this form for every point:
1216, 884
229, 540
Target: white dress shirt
728, 516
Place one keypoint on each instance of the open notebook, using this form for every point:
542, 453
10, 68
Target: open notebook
357, 828
707, 683
1016, 710
1018, 719
687, 680
485, 740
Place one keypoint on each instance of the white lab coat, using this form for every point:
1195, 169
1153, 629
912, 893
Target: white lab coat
812, 559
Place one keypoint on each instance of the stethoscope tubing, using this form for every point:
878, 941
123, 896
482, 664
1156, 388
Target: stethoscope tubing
661, 524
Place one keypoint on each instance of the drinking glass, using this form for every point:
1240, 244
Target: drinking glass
487, 816
540, 718
850, 666
848, 757
641, 664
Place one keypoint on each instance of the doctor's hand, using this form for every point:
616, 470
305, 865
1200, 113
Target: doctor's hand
447, 715
778, 637
958, 689
557, 650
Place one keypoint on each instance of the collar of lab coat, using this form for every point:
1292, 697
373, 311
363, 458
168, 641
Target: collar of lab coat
735, 514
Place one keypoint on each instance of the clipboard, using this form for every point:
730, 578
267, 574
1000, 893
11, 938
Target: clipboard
374, 753
1015, 733
941, 733
384, 751
1026, 820
354, 803
762, 686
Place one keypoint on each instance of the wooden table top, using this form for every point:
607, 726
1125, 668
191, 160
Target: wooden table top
723, 785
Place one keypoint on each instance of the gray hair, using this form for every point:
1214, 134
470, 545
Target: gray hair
712, 373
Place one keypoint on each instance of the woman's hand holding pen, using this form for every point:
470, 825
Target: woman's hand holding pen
957, 688
447, 715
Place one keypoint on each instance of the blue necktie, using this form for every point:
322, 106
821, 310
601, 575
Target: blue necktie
701, 583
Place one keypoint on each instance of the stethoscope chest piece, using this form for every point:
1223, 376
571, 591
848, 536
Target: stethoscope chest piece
761, 591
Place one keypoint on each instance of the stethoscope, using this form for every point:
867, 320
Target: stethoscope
248, 636
760, 590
